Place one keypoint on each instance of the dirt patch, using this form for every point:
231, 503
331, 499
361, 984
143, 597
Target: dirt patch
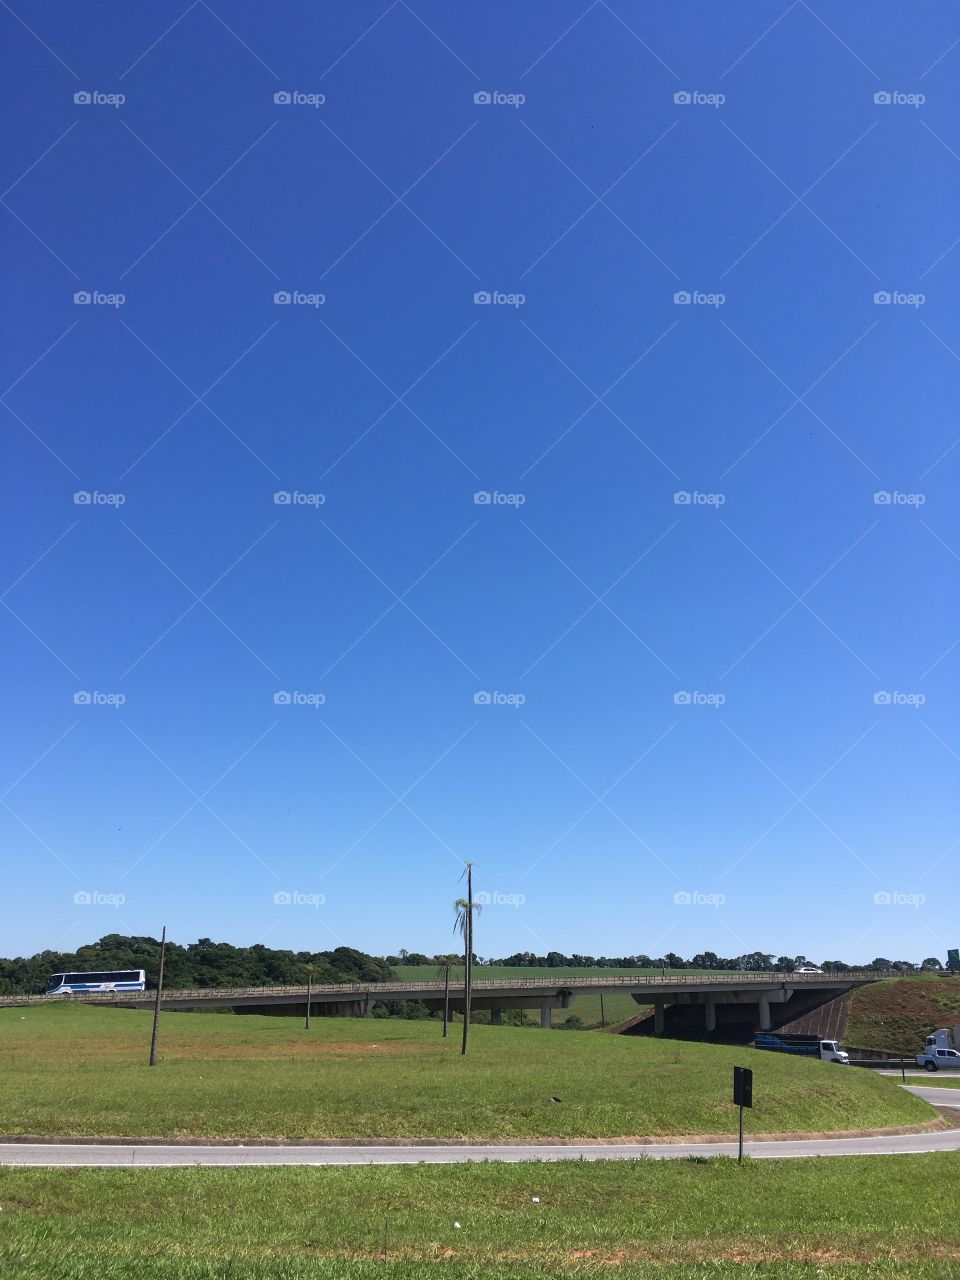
928, 1126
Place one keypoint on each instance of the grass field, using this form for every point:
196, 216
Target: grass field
877, 1217
898, 1013
80, 1070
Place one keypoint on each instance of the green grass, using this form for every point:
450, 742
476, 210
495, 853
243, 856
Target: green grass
897, 1014
877, 1217
80, 1070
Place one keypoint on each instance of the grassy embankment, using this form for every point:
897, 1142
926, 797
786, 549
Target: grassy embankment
898, 1013
877, 1217
80, 1070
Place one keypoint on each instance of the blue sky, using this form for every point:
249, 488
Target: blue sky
716, 672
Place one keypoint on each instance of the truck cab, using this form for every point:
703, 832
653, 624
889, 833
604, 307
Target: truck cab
830, 1051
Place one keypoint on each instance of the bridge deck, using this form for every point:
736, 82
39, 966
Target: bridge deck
653, 986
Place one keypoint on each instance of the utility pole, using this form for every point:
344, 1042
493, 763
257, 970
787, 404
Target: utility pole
156, 1003
468, 958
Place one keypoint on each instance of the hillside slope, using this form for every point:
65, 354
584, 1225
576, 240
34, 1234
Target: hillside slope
897, 1014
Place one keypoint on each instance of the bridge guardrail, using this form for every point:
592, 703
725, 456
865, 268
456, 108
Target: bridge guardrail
352, 989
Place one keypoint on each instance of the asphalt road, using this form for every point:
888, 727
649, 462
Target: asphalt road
65, 1155
156, 1155
936, 1097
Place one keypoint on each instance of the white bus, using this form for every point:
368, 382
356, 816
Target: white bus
65, 984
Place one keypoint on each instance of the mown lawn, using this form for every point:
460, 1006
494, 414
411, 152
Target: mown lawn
878, 1217
80, 1070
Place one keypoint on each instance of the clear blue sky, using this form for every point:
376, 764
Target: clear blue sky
797, 599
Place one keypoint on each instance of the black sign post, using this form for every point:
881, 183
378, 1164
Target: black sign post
742, 1096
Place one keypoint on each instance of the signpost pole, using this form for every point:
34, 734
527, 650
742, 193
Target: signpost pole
742, 1097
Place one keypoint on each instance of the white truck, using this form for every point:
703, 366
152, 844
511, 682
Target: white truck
941, 1050
805, 1046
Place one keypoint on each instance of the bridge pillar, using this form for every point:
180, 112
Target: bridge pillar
658, 1017
546, 1012
367, 1005
763, 1006
496, 1017
710, 1013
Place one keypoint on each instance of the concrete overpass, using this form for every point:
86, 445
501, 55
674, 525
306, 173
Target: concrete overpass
717, 1005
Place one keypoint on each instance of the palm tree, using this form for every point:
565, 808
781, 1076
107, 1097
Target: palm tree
465, 907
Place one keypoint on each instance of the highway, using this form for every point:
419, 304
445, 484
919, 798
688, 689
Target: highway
135, 1155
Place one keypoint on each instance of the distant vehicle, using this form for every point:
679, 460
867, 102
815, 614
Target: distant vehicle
943, 1039
65, 984
934, 1059
805, 1046
808, 968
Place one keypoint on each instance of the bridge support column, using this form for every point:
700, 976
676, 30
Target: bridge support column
496, 1017
763, 1007
658, 1017
367, 1006
546, 1012
710, 1014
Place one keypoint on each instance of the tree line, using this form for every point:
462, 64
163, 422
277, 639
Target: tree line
753, 961
203, 963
